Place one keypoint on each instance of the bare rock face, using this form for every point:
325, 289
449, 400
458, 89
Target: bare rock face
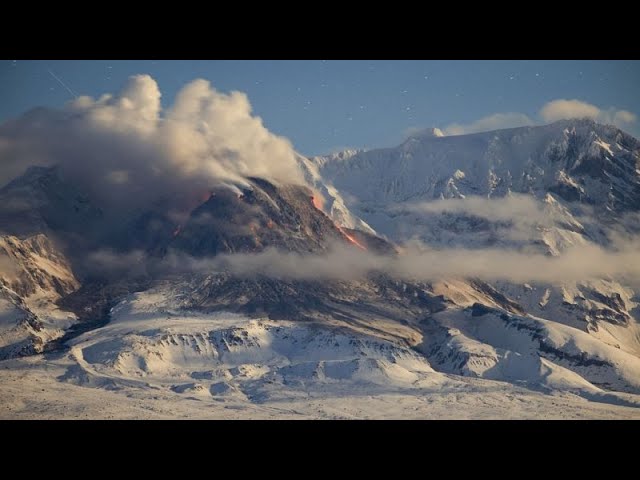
41, 201
35, 265
34, 275
257, 217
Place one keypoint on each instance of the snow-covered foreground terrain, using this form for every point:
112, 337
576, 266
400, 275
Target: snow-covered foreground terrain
154, 361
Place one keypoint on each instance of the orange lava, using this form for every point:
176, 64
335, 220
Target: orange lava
351, 239
317, 202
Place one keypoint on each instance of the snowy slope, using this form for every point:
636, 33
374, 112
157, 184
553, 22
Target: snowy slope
492, 344
333, 203
33, 276
567, 184
213, 354
154, 360
220, 346
577, 159
569, 167
41, 201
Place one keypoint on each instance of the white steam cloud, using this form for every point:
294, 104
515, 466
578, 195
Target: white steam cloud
126, 147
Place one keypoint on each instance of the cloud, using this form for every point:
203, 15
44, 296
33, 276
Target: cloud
491, 122
417, 262
564, 109
417, 131
515, 215
623, 116
125, 148
515, 206
515, 219
552, 111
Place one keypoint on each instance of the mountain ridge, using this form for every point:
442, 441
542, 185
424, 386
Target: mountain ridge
256, 340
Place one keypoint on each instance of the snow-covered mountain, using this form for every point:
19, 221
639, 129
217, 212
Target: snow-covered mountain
585, 175
34, 275
565, 184
468, 363
41, 201
578, 160
212, 343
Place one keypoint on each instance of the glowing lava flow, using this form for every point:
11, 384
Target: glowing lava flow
351, 238
317, 202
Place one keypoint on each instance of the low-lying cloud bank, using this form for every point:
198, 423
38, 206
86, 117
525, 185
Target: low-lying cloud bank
125, 148
560, 109
417, 262
515, 216
514, 207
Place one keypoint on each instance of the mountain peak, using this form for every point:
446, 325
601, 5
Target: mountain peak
40, 200
32, 174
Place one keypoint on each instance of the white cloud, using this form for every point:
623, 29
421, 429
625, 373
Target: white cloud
552, 111
514, 206
417, 262
565, 109
620, 117
423, 132
124, 147
491, 122
515, 216
136, 107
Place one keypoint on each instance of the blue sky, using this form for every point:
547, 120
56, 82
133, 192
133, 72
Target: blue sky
327, 105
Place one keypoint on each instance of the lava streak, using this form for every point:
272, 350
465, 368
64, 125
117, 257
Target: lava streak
317, 202
351, 238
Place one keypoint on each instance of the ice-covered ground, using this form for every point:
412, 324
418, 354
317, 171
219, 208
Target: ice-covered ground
152, 361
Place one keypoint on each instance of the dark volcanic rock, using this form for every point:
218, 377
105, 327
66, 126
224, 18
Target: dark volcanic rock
252, 219
41, 201
377, 297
